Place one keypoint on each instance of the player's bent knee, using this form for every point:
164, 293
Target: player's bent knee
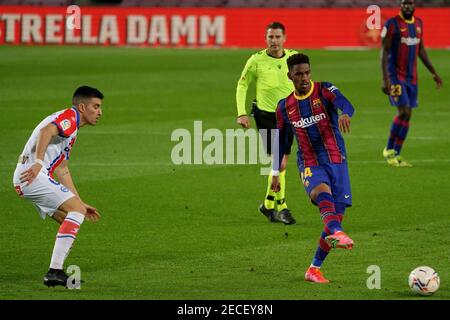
405, 116
73, 204
59, 216
404, 113
323, 187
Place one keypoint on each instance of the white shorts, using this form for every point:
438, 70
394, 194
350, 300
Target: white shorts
45, 193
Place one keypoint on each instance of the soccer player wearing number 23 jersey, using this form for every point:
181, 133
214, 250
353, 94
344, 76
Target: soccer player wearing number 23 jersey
402, 42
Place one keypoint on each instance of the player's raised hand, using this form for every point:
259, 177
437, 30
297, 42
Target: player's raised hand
438, 81
275, 184
386, 86
244, 121
30, 174
344, 123
92, 213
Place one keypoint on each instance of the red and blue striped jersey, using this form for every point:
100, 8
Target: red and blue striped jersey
406, 36
313, 118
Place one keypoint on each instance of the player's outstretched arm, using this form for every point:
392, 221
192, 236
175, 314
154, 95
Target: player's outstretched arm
62, 172
386, 47
247, 77
426, 61
279, 147
45, 136
63, 175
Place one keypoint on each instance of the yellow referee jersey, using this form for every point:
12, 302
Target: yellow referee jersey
272, 83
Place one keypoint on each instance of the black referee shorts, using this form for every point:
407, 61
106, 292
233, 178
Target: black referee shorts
268, 120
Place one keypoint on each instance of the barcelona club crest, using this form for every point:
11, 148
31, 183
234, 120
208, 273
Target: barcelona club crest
317, 103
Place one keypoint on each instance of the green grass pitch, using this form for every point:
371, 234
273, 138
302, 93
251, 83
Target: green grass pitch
193, 231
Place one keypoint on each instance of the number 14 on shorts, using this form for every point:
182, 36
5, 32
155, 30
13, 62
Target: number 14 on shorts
305, 174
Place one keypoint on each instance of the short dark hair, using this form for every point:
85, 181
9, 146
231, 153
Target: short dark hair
276, 25
85, 92
297, 58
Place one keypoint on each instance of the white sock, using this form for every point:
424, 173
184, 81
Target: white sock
64, 239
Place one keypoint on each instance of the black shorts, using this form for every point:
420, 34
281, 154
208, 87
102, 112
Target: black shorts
268, 120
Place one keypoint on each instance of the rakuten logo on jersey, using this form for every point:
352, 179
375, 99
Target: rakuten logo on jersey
410, 41
307, 122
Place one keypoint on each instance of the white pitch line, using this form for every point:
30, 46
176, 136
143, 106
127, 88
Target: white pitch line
169, 134
138, 164
168, 164
124, 164
409, 160
109, 164
126, 132
430, 114
384, 138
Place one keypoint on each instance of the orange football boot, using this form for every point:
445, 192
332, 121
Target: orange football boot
339, 239
315, 275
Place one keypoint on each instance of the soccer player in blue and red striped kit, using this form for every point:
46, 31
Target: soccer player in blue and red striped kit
402, 42
311, 113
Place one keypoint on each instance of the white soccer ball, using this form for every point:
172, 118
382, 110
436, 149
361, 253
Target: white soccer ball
424, 281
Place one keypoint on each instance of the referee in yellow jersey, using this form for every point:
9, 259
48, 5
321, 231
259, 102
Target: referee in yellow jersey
269, 69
